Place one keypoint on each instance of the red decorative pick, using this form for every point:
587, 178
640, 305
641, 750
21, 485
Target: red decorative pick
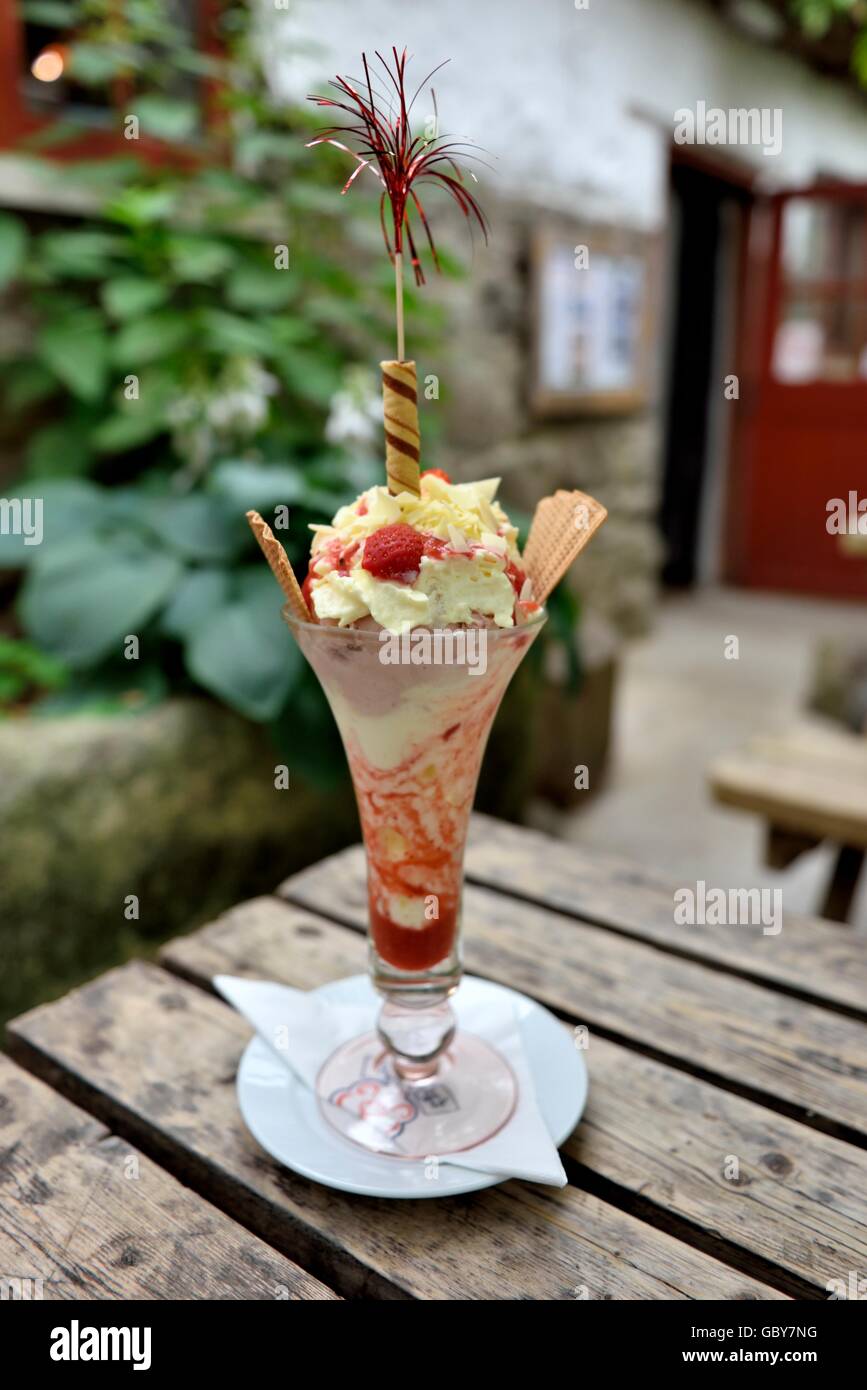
385, 145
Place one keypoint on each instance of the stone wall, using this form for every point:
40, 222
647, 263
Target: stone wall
487, 427
176, 806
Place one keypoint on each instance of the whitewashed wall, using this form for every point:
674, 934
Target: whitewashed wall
553, 90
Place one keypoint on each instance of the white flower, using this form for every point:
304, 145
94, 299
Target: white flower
217, 414
355, 415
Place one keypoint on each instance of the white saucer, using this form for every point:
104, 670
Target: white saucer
284, 1116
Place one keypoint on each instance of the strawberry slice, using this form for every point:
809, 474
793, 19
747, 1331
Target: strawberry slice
394, 553
436, 473
515, 575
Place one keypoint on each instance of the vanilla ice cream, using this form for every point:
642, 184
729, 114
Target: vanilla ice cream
465, 568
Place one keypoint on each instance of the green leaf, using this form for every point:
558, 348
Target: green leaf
308, 738
858, 58
113, 172
94, 64
60, 509
564, 616
199, 594
82, 599
257, 145
243, 652
257, 486
199, 259
122, 688
127, 296
201, 64
127, 429
141, 206
166, 118
27, 383
260, 287
287, 330
12, 687
75, 347
53, 14
230, 333
312, 197
13, 247
80, 254
816, 18
58, 451
150, 338
197, 527
23, 666
308, 375
137, 421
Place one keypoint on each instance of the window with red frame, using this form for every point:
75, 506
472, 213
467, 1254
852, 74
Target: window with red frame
37, 88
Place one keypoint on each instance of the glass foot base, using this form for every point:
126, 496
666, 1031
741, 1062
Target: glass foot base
468, 1099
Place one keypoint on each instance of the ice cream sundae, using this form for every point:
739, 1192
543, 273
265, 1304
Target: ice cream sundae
416, 611
443, 564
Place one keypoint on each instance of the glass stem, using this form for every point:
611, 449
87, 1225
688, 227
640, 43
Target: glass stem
416, 1034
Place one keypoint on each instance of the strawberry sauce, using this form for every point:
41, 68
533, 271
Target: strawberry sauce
415, 817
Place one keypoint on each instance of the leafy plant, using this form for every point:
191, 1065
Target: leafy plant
192, 356
816, 19
188, 341
26, 671
181, 576
215, 305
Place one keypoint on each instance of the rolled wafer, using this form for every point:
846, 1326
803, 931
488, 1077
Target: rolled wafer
281, 569
562, 526
402, 439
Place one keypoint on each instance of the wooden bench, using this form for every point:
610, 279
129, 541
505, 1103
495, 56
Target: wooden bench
810, 785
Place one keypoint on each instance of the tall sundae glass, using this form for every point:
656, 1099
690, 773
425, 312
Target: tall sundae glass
417, 610
414, 713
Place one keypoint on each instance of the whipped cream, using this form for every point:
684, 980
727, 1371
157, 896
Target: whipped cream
472, 572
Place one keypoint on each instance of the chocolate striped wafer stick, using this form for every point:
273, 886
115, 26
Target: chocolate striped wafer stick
402, 440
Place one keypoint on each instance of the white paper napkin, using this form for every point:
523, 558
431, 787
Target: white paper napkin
304, 1029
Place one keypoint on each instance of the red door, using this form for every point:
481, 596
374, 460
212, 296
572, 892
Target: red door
800, 424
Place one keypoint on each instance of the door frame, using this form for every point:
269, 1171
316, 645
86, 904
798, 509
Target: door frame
762, 294
742, 177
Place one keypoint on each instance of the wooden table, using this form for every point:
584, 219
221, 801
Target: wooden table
721, 1155
809, 784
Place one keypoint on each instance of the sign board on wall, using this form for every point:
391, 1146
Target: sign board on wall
591, 321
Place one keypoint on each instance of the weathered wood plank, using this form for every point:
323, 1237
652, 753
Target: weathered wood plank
156, 1058
797, 1199
809, 956
794, 1055
811, 779
91, 1218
